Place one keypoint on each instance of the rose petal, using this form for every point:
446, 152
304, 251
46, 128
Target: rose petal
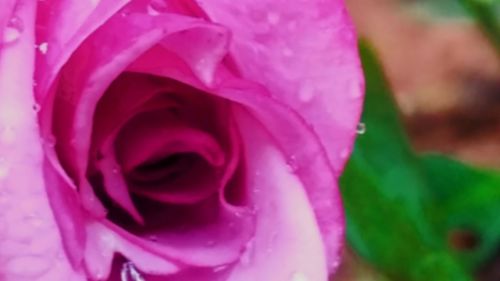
303, 147
208, 245
63, 25
114, 182
305, 54
305, 155
157, 133
5, 17
80, 91
105, 243
24, 254
286, 227
188, 274
152, 137
88, 74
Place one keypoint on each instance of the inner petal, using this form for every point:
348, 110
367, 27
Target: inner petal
165, 160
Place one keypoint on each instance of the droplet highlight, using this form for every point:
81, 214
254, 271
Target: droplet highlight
13, 30
361, 128
298, 276
273, 18
130, 273
43, 47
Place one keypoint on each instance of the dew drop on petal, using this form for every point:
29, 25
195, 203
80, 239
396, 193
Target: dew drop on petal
43, 47
292, 163
4, 170
219, 268
246, 257
157, 7
8, 135
36, 107
273, 18
298, 276
13, 30
361, 128
287, 52
306, 91
130, 273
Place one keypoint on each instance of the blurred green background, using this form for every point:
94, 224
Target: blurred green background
422, 188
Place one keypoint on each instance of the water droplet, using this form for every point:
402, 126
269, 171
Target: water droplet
246, 257
287, 52
273, 18
157, 7
36, 107
4, 170
8, 135
306, 92
361, 128
299, 276
153, 238
220, 268
13, 30
292, 163
130, 273
43, 48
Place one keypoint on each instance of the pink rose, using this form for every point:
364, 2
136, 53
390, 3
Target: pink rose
187, 140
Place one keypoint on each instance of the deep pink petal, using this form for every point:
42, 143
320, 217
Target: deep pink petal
82, 83
208, 245
104, 243
114, 182
305, 54
62, 26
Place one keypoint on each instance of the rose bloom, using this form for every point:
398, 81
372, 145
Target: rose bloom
186, 140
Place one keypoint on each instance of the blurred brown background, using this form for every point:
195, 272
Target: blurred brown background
446, 78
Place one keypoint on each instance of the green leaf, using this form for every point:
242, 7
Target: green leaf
385, 194
467, 199
439, 9
487, 14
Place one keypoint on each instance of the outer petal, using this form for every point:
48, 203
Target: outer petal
305, 54
5, 16
287, 243
305, 156
24, 253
